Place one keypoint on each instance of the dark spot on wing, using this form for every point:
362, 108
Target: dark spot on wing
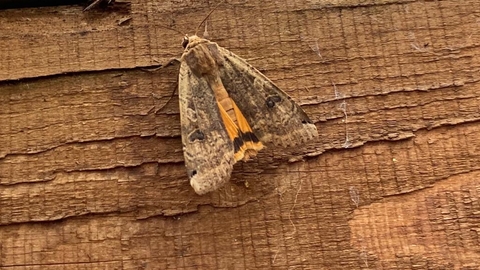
196, 135
272, 100
306, 121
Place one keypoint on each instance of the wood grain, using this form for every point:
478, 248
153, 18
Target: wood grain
91, 168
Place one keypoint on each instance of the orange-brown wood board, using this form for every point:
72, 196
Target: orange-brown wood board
91, 165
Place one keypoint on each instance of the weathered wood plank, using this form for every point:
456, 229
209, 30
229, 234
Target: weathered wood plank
91, 168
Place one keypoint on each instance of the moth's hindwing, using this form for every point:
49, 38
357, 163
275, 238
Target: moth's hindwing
208, 150
272, 114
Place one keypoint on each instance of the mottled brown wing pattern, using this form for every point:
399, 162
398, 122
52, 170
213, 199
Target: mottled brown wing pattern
228, 108
272, 114
208, 150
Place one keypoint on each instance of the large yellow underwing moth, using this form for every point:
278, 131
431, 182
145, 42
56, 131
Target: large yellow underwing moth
228, 110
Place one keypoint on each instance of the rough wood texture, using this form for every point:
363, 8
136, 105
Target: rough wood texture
91, 169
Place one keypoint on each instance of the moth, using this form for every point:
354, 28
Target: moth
229, 111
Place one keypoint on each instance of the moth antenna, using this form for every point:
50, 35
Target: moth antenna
208, 15
171, 29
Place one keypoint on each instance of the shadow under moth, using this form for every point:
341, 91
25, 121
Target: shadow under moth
228, 111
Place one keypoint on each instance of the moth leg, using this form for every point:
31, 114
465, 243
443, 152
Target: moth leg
172, 61
169, 99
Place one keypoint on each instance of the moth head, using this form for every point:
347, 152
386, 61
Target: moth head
192, 41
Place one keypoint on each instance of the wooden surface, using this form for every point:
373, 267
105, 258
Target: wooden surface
91, 165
